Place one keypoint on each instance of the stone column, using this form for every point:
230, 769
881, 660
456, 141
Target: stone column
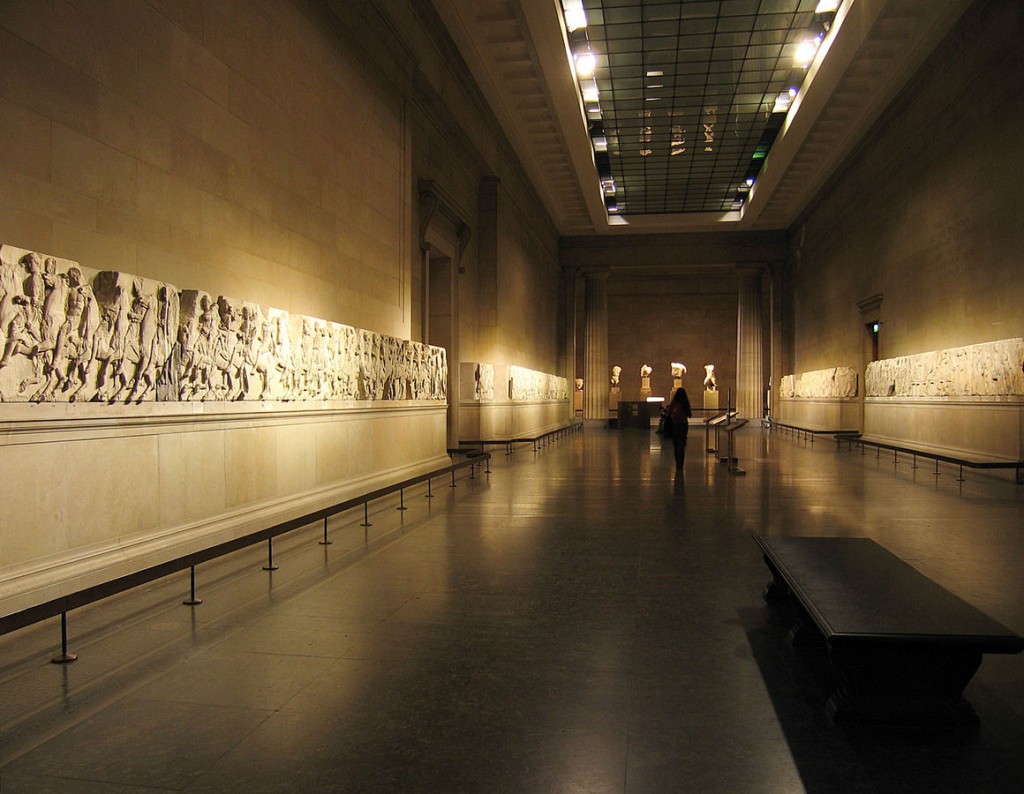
749, 344
567, 328
595, 353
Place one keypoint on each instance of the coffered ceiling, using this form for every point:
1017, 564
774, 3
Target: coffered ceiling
684, 95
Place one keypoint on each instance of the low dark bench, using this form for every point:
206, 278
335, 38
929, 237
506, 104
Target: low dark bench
538, 441
901, 647
962, 461
808, 430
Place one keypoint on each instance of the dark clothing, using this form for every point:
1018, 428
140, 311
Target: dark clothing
679, 414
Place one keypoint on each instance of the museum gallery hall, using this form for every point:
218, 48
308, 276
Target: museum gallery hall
337, 348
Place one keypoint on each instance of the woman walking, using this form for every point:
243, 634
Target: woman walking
679, 413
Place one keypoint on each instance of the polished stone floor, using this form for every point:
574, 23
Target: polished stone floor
580, 620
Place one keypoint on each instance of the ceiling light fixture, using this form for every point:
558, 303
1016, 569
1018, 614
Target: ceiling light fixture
575, 15
585, 64
782, 102
805, 52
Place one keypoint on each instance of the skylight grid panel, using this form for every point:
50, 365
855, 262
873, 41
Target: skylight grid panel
729, 53
744, 24
769, 38
738, 39
615, 16
774, 22
661, 29
631, 30
734, 8
660, 44
624, 60
697, 9
779, 6
654, 12
694, 41
621, 46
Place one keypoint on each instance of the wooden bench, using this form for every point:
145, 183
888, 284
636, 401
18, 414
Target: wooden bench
901, 647
939, 456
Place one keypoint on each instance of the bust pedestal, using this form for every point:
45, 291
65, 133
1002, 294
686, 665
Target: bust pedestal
711, 399
645, 386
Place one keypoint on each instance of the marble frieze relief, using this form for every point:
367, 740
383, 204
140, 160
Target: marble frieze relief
71, 334
529, 384
989, 369
834, 383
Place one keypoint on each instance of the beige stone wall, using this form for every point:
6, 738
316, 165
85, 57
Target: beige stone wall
269, 151
527, 290
656, 321
236, 147
925, 212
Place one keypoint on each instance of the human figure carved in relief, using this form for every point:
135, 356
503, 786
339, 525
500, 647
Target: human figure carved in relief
283, 358
24, 310
82, 364
265, 361
439, 371
318, 362
300, 360
117, 366
55, 304
19, 338
228, 354
67, 341
165, 351
9, 290
349, 364
369, 365
251, 332
396, 369
50, 319
140, 348
201, 368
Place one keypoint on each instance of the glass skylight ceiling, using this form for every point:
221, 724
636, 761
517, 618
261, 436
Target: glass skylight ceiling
685, 95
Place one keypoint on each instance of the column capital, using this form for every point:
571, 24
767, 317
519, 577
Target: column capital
595, 272
751, 269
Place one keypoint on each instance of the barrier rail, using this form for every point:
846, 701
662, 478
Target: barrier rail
960, 461
509, 443
66, 603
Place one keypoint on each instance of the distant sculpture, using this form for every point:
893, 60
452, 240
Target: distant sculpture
710, 384
645, 371
579, 384
616, 372
678, 370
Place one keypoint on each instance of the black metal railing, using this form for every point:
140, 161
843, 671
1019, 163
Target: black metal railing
88, 595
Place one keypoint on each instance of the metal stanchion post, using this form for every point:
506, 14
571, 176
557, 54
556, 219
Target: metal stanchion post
325, 541
64, 657
270, 556
192, 600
